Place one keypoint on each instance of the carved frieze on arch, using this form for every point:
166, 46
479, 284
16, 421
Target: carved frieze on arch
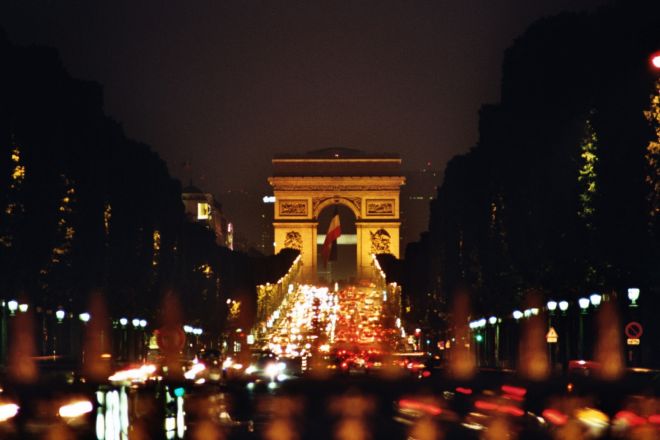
380, 241
352, 203
293, 240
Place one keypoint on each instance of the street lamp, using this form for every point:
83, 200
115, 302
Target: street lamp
517, 314
84, 317
633, 296
143, 323
595, 299
60, 314
552, 306
492, 320
12, 305
23, 308
135, 322
584, 305
123, 321
563, 306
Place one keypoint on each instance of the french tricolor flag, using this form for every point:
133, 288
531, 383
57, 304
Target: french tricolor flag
330, 243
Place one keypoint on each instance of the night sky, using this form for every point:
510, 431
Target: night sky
227, 84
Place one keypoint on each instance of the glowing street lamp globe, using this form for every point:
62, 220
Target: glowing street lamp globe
583, 303
143, 323
552, 305
517, 314
123, 321
595, 299
633, 296
563, 305
135, 322
12, 306
492, 320
84, 317
60, 314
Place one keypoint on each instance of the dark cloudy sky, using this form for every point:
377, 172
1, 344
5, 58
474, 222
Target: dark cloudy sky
227, 84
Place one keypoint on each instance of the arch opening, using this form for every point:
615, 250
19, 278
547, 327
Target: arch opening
344, 268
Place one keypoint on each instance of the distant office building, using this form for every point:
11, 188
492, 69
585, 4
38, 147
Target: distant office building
202, 207
416, 195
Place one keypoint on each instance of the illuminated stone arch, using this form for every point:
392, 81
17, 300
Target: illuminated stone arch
319, 204
368, 185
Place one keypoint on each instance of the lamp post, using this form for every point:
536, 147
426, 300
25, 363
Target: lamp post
496, 339
552, 354
595, 299
584, 305
563, 307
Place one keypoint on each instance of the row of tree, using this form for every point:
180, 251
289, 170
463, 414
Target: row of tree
561, 194
83, 208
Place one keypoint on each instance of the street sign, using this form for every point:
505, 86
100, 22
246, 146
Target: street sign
633, 341
551, 337
170, 339
634, 330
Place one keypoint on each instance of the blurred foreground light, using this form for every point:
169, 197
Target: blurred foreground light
76, 409
552, 305
23, 307
84, 317
517, 314
563, 305
140, 374
194, 371
60, 314
595, 299
583, 303
12, 305
7, 411
596, 420
655, 60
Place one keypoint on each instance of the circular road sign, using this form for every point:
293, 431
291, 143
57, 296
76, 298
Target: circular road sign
634, 330
171, 339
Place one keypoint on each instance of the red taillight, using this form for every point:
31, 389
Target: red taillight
505, 409
420, 406
515, 391
466, 391
630, 418
555, 417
